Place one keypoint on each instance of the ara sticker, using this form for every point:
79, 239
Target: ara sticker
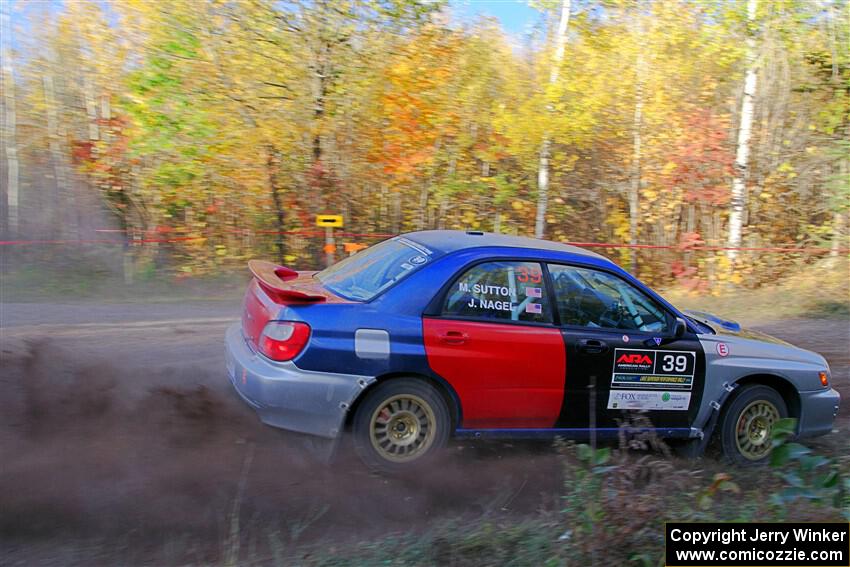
534, 308
533, 292
722, 349
418, 260
626, 338
634, 361
656, 340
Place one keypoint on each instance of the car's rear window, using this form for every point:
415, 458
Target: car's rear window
366, 274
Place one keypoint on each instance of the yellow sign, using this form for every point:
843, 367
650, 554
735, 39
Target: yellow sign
329, 220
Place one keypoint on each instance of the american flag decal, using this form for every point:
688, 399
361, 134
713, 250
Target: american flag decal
533, 292
534, 308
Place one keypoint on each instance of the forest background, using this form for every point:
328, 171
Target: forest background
183, 138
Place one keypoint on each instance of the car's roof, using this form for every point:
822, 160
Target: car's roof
447, 241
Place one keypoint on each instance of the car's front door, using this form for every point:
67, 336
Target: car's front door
622, 354
494, 341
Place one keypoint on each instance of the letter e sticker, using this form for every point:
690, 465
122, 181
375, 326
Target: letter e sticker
722, 349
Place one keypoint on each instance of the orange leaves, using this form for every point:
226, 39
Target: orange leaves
81, 151
416, 104
701, 159
223, 113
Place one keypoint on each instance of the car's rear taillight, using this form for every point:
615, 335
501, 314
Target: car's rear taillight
284, 340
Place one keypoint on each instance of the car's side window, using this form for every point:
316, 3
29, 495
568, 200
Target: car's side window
592, 298
504, 291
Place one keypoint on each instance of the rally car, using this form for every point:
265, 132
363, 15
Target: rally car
436, 334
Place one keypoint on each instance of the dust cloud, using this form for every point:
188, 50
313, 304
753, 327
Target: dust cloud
148, 460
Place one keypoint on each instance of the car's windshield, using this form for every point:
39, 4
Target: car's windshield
368, 273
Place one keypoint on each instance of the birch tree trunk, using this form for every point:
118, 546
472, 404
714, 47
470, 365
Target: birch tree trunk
546, 146
56, 156
384, 208
424, 192
839, 239
425, 189
637, 125
738, 201
90, 100
395, 222
839, 216
9, 129
272, 163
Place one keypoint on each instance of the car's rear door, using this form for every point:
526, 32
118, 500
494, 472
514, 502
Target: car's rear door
493, 340
622, 355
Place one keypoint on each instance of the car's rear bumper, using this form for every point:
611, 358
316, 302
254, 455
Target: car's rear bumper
817, 412
286, 396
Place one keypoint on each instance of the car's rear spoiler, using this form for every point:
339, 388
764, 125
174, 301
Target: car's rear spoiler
273, 280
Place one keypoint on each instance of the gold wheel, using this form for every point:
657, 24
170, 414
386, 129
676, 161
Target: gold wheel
753, 429
402, 428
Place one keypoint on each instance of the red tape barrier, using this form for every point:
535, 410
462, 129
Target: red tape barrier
312, 234
307, 233
101, 241
702, 248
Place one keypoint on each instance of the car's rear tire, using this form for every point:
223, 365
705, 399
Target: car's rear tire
746, 424
401, 423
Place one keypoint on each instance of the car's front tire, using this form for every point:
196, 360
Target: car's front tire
401, 422
746, 424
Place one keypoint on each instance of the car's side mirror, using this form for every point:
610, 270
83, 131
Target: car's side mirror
680, 328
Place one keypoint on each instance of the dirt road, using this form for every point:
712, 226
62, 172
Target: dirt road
121, 438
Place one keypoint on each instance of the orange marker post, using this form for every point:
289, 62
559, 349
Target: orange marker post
330, 246
329, 222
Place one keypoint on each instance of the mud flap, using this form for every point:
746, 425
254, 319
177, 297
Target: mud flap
695, 448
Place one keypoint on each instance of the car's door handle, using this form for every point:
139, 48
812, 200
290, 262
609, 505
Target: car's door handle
592, 346
453, 337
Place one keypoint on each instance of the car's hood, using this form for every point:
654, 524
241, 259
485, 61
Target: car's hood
732, 328
750, 343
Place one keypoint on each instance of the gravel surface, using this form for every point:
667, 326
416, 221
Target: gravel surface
120, 437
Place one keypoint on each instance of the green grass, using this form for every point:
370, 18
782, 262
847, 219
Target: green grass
614, 505
529, 543
822, 290
31, 283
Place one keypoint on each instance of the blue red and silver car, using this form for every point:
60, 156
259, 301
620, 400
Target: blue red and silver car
436, 334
